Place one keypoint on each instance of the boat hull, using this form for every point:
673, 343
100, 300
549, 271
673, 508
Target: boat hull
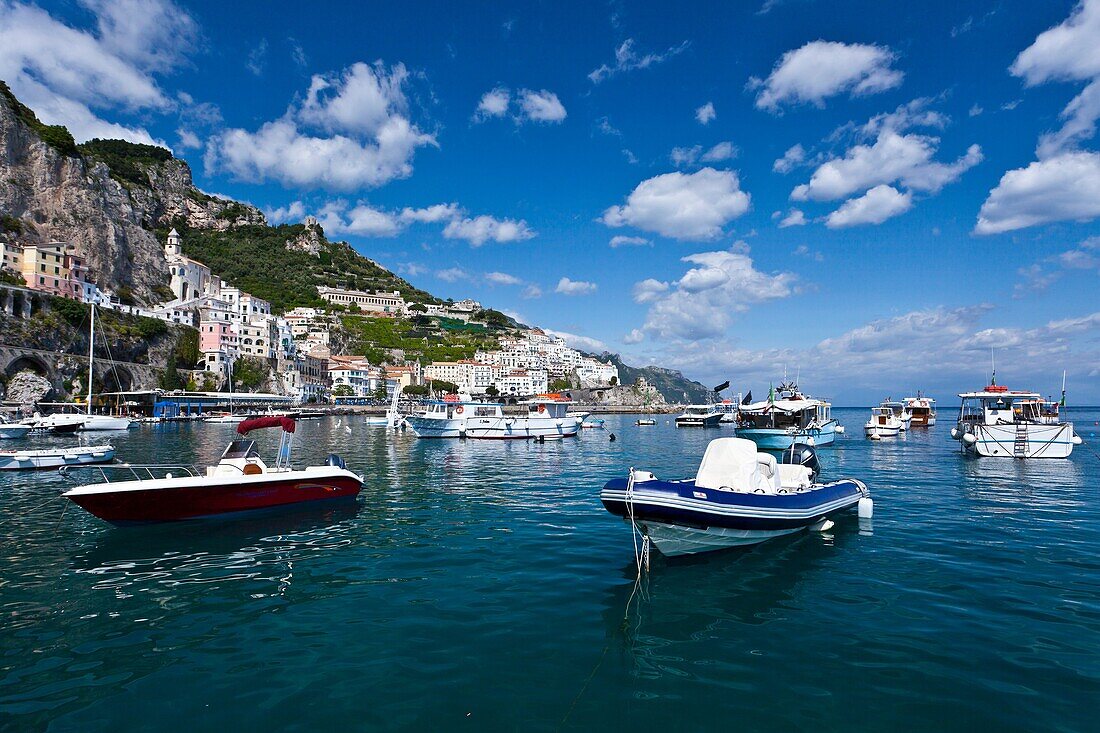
776, 439
433, 428
701, 421
520, 428
38, 460
882, 431
169, 500
1042, 441
12, 432
682, 518
94, 423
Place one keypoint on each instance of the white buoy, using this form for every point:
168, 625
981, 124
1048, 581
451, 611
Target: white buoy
866, 508
970, 439
839, 429
168, 475
823, 526
874, 436
1076, 439
811, 442
955, 433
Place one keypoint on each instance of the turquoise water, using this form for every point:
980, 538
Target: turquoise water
481, 586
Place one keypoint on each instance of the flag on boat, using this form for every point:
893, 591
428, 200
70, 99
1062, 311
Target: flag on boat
722, 386
748, 398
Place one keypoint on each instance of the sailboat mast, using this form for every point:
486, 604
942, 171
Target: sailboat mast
91, 359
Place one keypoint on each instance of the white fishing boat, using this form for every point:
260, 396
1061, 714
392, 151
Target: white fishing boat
99, 422
579, 415
12, 430
1004, 423
546, 419
900, 412
59, 422
699, 416
43, 458
230, 418
923, 410
645, 421
447, 418
883, 423
727, 409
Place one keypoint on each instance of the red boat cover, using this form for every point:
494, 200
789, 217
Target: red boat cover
286, 423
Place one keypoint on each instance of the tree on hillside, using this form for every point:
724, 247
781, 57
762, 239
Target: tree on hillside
249, 373
438, 385
559, 385
492, 390
342, 390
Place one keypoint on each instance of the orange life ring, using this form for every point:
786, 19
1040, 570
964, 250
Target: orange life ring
542, 408
459, 410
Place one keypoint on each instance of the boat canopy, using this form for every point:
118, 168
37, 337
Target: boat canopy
256, 423
787, 406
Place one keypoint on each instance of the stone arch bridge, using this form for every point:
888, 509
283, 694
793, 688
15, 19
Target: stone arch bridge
116, 376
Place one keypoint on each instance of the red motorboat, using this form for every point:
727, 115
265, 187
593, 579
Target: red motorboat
240, 481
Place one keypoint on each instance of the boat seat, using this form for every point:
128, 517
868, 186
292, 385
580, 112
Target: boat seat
251, 469
767, 469
792, 476
729, 463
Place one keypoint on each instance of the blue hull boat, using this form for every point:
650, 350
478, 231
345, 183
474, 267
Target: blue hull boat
781, 439
739, 497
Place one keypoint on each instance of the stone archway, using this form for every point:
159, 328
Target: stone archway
28, 362
117, 379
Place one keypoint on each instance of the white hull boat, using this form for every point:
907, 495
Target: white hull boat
901, 412
31, 460
227, 419
545, 420
699, 416
883, 424
106, 422
1000, 423
12, 431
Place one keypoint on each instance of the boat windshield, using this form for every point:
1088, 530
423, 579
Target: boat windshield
240, 449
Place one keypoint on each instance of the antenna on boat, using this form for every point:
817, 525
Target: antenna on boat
1063, 403
993, 363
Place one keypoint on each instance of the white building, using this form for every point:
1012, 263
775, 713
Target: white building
468, 375
522, 382
391, 303
593, 373
189, 277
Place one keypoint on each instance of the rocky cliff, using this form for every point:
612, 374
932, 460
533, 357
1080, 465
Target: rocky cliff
51, 189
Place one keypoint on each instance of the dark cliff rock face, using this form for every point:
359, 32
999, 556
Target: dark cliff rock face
51, 192
672, 384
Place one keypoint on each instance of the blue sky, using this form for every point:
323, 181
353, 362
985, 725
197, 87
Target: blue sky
871, 194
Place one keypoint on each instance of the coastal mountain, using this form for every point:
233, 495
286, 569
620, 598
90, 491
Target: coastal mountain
116, 201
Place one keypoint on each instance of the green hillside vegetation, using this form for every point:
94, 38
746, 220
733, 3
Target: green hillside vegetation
255, 258
56, 136
126, 160
422, 338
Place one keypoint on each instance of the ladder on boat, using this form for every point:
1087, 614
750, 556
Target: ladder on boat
1019, 448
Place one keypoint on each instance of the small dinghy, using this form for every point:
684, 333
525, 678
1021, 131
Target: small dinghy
738, 497
646, 421
34, 460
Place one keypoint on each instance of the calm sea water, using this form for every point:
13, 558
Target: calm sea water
481, 586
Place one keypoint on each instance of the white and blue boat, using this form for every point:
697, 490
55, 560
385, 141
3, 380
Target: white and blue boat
785, 418
739, 496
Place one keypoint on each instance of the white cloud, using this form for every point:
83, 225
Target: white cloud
481, 229
531, 292
720, 152
649, 290
701, 304
791, 159
682, 206
294, 211
975, 110
365, 140
804, 251
452, 274
622, 241
494, 103
582, 343
63, 73
502, 278
188, 139
257, 58
362, 219
431, 214
794, 218
532, 106
627, 59
575, 287
687, 157
706, 113
1066, 187
636, 336
822, 69
905, 159
874, 207
1066, 52
541, 106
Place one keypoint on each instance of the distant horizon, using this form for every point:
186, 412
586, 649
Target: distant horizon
871, 194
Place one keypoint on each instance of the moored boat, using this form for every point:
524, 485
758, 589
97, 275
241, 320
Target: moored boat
1005, 423
546, 419
12, 430
900, 412
923, 410
44, 458
739, 496
447, 418
239, 482
883, 423
699, 416
645, 421
785, 418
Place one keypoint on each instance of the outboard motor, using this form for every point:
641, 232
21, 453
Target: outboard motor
801, 454
336, 461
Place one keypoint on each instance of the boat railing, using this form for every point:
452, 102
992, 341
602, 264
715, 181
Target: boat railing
138, 472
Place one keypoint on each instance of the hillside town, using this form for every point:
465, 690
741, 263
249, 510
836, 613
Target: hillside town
297, 346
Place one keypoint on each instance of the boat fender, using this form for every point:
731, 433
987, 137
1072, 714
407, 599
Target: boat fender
611, 438
970, 439
839, 429
866, 508
335, 460
955, 433
1076, 439
758, 491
